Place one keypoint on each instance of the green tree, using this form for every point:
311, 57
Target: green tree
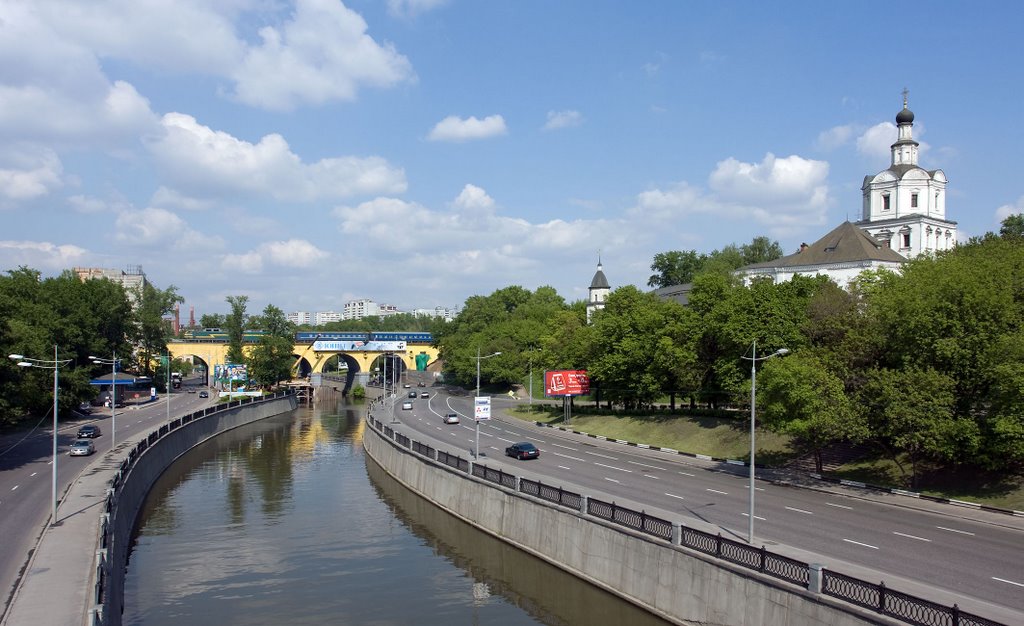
911, 412
798, 396
212, 320
675, 267
1012, 227
151, 330
760, 250
234, 325
271, 360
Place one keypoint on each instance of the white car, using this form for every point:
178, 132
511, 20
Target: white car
82, 447
451, 418
407, 406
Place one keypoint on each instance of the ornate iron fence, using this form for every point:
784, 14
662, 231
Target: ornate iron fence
452, 461
494, 475
637, 520
551, 494
423, 449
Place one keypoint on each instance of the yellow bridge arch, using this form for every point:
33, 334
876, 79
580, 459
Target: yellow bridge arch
360, 363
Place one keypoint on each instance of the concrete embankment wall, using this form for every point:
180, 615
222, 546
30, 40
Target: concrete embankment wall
677, 584
148, 468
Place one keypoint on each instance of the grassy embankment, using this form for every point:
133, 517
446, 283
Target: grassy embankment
730, 438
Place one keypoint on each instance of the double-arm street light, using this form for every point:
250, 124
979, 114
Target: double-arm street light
112, 362
478, 359
24, 361
753, 358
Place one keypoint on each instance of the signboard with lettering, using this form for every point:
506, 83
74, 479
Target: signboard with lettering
358, 346
482, 408
566, 383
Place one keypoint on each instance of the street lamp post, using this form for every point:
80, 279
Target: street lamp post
753, 358
24, 361
479, 358
112, 362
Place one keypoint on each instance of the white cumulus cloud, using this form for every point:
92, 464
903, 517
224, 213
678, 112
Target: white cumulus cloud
474, 198
40, 255
563, 119
201, 162
412, 8
834, 137
1007, 210
28, 171
454, 128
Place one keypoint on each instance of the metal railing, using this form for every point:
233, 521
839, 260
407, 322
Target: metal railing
875, 597
103, 541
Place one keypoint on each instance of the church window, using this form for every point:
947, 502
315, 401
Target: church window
885, 202
906, 240
913, 200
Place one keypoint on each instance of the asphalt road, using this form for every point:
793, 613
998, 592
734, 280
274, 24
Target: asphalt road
26, 472
942, 550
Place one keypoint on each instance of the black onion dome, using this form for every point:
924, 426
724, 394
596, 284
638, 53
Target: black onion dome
906, 116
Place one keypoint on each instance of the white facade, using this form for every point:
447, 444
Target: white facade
132, 280
441, 312
904, 206
597, 292
301, 318
322, 317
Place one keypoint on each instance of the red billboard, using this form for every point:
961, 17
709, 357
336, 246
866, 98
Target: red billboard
566, 383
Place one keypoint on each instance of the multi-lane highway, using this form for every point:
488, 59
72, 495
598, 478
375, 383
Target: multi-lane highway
972, 555
26, 472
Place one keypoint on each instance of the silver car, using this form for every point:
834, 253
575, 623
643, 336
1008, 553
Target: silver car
451, 418
82, 447
407, 406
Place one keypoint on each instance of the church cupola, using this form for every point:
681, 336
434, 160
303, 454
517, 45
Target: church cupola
904, 151
599, 290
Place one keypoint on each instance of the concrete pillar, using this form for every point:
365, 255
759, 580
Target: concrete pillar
583, 504
518, 479
814, 577
677, 533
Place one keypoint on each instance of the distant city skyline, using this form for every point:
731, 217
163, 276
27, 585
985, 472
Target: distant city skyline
307, 153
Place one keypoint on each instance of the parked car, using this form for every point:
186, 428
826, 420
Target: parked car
82, 447
89, 431
425, 394
191, 390
522, 450
204, 394
451, 418
85, 408
407, 406
421, 384
412, 394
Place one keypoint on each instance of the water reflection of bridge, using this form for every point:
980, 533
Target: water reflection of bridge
357, 361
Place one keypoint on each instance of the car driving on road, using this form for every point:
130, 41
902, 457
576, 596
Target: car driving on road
451, 418
88, 431
522, 450
425, 394
407, 406
204, 394
82, 447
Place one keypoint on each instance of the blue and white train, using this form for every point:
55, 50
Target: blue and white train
408, 337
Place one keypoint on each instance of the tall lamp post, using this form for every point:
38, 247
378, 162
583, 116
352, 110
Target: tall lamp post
753, 358
24, 361
167, 365
479, 358
112, 362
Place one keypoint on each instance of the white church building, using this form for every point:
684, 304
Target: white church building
903, 216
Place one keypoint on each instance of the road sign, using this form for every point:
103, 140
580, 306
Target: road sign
482, 408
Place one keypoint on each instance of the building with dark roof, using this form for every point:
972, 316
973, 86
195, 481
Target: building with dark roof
598, 291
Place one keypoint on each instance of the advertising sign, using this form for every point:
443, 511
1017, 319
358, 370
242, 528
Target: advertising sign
358, 346
482, 408
566, 383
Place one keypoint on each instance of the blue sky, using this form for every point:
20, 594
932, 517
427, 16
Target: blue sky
418, 152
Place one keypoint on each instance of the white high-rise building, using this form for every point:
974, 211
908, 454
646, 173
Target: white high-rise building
301, 318
322, 317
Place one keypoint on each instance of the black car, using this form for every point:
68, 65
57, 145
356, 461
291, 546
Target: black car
85, 408
204, 394
88, 432
522, 450
412, 394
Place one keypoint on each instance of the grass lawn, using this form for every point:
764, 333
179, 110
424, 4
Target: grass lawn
717, 437
730, 438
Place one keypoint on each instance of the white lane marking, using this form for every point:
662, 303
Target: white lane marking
566, 456
654, 477
685, 474
507, 440
672, 495
724, 493
604, 456
840, 506
614, 468
539, 440
558, 445
953, 530
910, 536
789, 508
758, 489
34, 473
866, 545
612, 480
755, 517
650, 466
1003, 580
488, 435
565, 468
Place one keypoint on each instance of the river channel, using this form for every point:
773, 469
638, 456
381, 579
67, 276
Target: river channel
286, 521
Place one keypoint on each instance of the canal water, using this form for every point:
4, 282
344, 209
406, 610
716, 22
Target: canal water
286, 521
